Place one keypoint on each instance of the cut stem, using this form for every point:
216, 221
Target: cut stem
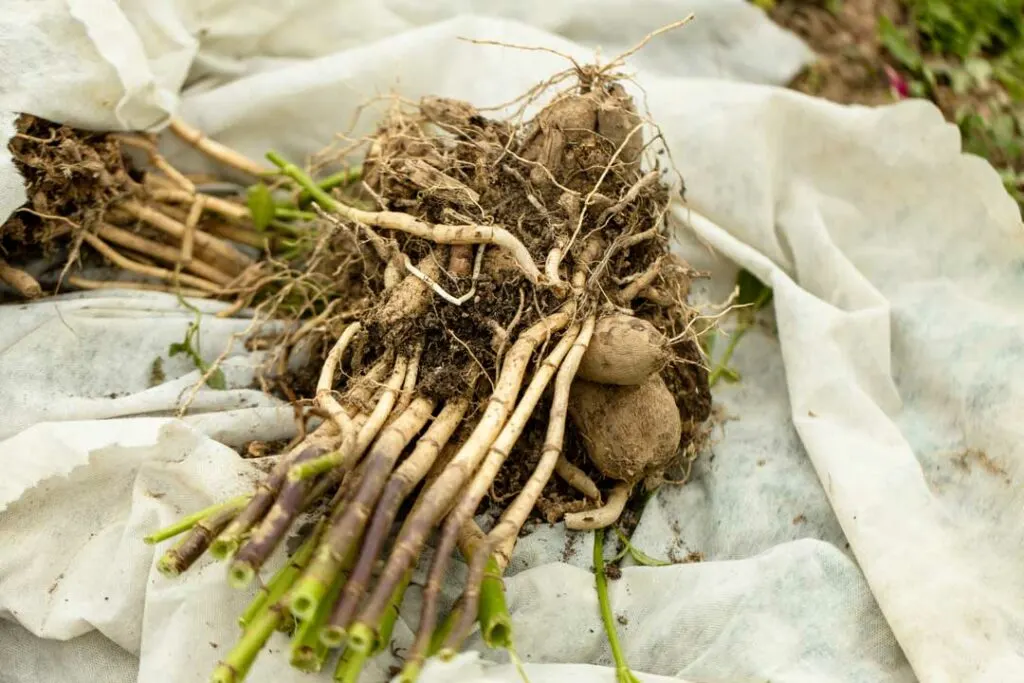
350, 666
271, 530
192, 546
439, 496
475, 492
282, 581
343, 533
308, 651
189, 521
235, 667
266, 491
398, 487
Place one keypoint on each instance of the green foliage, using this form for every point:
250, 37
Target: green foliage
752, 297
976, 48
261, 206
969, 28
189, 346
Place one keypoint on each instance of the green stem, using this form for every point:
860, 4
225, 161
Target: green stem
308, 652
186, 523
350, 665
288, 212
316, 466
234, 667
316, 193
495, 622
441, 632
721, 367
332, 181
282, 580
387, 622
622, 672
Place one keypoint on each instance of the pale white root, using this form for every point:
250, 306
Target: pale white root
214, 149
325, 384
444, 234
577, 478
85, 283
17, 278
217, 205
160, 252
126, 263
604, 516
515, 515
165, 223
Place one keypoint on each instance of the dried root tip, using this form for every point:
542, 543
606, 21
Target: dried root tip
20, 280
601, 517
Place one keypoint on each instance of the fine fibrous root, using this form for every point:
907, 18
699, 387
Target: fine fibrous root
484, 305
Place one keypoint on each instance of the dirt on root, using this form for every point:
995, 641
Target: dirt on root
578, 179
72, 177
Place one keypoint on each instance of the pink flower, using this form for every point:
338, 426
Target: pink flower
897, 83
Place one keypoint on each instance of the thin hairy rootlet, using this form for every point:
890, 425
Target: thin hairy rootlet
486, 318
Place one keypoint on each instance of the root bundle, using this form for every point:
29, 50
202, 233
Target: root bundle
447, 303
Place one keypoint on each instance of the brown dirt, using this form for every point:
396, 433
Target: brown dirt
72, 177
444, 162
852, 61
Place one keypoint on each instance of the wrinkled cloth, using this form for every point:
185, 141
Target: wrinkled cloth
854, 507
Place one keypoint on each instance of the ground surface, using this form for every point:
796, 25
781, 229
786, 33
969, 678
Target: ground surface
966, 56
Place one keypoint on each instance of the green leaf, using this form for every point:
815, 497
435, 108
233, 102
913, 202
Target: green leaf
753, 292
261, 205
178, 347
980, 70
898, 45
960, 81
1003, 130
217, 381
638, 555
